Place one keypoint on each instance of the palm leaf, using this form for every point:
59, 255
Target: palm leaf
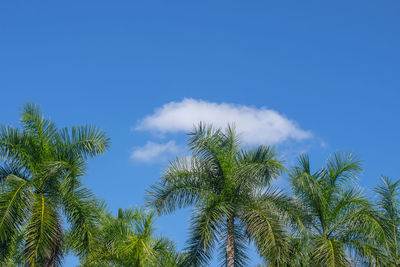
44, 236
15, 200
81, 209
205, 226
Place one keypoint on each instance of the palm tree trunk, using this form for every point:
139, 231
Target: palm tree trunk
230, 244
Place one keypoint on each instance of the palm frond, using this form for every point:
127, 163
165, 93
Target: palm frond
347, 200
329, 252
310, 190
44, 238
291, 211
389, 200
13, 145
128, 239
204, 230
11, 252
206, 144
259, 166
343, 167
13, 169
389, 210
300, 250
182, 185
230, 140
34, 122
167, 254
81, 209
15, 200
86, 141
267, 231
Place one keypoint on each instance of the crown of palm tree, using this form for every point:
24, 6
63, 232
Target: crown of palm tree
343, 224
128, 239
41, 184
230, 190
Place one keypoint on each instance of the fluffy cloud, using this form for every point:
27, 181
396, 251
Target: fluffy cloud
257, 125
155, 150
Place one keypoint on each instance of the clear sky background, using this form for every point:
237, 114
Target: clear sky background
306, 76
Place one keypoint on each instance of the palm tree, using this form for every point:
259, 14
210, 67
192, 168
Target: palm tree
389, 209
342, 219
232, 198
128, 239
41, 186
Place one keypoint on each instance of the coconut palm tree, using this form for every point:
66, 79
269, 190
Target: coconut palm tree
233, 199
41, 186
342, 219
128, 239
389, 209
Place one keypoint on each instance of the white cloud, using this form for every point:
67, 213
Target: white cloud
257, 125
153, 150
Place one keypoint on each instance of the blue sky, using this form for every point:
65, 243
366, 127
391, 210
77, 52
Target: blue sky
327, 70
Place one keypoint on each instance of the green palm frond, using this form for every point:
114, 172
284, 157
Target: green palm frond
15, 200
81, 209
44, 237
86, 141
348, 199
329, 252
389, 200
181, 186
267, 230
205, 143
15, 170
343, 167
231, 140
292, 211
310, 190
205, 229
12, 252
34, 123
13, 145
128, 239
259, 166
389, 210
299, 251
167, 254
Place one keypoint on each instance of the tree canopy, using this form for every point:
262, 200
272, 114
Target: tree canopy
324, 219
41, 184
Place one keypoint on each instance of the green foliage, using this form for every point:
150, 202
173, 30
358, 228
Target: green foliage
343, 225
231, 194
45, 211
389, 211
40, 183
128, 239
